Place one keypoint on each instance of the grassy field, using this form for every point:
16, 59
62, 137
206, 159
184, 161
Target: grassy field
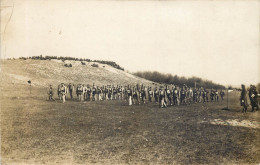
37, 131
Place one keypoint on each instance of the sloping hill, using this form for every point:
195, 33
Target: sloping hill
45, 72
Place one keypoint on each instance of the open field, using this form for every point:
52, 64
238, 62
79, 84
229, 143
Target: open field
36, 131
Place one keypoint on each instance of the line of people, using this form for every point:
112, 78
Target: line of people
164, 95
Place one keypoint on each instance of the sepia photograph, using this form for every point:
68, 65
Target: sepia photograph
130, 82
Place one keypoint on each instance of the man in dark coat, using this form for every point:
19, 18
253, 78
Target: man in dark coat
243, 99
253, 94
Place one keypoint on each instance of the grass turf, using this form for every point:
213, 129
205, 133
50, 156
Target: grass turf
34, 130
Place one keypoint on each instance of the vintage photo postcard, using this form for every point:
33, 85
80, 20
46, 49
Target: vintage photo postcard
130, 82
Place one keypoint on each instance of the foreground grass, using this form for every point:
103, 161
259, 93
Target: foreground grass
34, 130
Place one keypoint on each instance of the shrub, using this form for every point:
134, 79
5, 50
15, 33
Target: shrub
68, 65
94, 65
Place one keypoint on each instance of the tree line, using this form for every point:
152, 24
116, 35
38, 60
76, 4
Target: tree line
111, 63
176, 80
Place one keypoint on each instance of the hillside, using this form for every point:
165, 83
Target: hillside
45, 72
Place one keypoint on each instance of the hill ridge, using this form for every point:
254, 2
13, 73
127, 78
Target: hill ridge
45, 72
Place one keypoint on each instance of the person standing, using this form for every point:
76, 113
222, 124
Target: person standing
212, 93
94, 92
142, 95
204, 93
183, 95
253, 94
150, 94
195, 95
200, 94
50, 93
129, 94
84, 93
156, 95
63, 92
162, 98
59, 91
174, 96
88, 92
243, 98
216, 95
189, 95
222, 94
135, 95
110, 93
80, 92
119, 92
169, 97
114, 93
143, 90
106, 93
99, 92
71, 89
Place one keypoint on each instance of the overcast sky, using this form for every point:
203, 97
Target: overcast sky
216, 40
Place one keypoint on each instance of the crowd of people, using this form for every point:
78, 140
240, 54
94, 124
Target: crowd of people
168, 95
252, 94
